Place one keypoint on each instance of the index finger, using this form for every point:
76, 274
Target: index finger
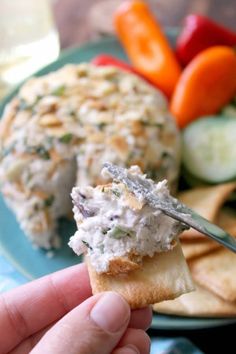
31, 307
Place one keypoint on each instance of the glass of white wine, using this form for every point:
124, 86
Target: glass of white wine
28, 40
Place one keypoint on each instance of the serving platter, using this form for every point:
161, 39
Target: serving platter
32, 262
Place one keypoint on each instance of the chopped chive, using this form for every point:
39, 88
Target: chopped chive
105, 231
49, 201
87, 245
101, 125
42, 152
23, 105
116, 193
59, 91
147, 123
118, 233
39, 150
66, 138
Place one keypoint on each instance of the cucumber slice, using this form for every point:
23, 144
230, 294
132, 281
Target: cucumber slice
209, 149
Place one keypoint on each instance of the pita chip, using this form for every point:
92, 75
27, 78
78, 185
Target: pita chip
198, 248
197, 303
207, 202
217, 273
226, 219
164, 276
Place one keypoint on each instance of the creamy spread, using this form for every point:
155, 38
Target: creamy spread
113, 223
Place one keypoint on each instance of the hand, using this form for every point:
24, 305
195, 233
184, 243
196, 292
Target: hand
57, 314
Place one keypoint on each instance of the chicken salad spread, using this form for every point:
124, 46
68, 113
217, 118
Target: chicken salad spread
117, 229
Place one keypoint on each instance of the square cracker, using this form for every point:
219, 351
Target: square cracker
198, 248
161, 277
217, 273
206, 201
198, 303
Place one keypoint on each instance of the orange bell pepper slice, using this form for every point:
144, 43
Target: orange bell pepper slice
205, 86
146, 45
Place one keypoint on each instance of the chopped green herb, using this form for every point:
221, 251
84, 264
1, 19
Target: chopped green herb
146, 123
105, 231
119, 233
87, 245
101, 125
72, 113
24, 105
49, 201
39, 150
42, 152
66, 138
59, 91
116, 192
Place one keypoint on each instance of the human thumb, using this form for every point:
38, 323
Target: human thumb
93, 327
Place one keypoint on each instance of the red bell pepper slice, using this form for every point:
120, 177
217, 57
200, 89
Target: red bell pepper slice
200, 33
106, 60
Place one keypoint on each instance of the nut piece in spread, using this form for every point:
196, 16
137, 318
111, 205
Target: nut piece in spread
123, 236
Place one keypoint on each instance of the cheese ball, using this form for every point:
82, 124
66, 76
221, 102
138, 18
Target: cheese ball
60, 129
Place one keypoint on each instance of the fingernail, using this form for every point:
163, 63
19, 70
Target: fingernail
129, 349
111, 312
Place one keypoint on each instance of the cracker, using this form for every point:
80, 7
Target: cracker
198, 303
217, 273
123, 264
162, 277
207, 202
227, 220
198, 248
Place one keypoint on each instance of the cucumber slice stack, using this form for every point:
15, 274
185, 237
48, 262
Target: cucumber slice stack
209, 149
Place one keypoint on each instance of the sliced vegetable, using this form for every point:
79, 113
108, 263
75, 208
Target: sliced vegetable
146, 45
205, 86
199, 33
106, 60
209, 149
